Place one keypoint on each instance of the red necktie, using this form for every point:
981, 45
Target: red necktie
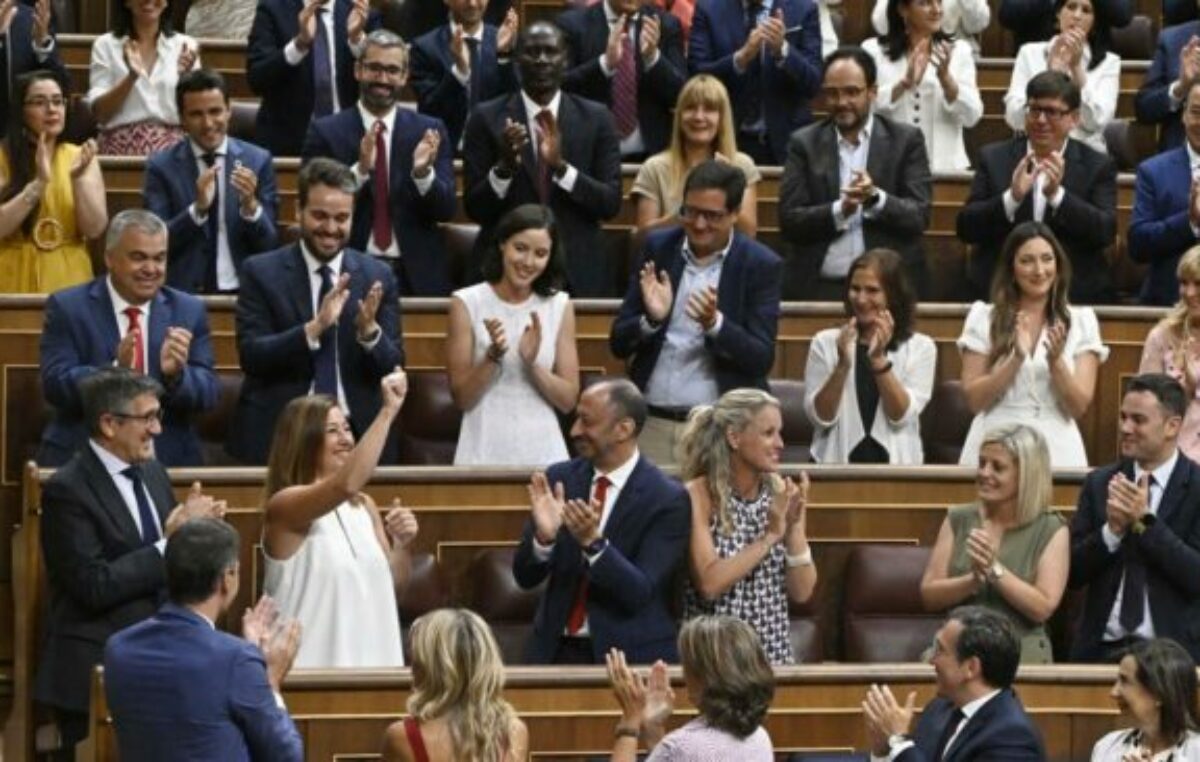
579, 609
139, 354
624, 90
381, 224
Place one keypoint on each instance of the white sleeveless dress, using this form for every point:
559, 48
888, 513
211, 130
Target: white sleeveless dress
339, 586
512, 424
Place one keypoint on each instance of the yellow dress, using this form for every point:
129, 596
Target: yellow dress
26, 269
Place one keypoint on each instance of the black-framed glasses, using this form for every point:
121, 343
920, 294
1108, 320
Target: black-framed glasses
46, 103
1050, 113
711, 216
378, 69
146, 419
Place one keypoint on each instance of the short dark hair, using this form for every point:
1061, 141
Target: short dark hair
857, 55
1169, 392
517, 220
893, 276
197, 554
1053, 84
111, 390
1168, 673
989, 636
624, 395
199, 81
327, 172
717, 175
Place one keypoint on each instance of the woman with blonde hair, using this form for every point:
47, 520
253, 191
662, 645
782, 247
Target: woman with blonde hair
748, 551
1009, 550
456, 711
1173, 348
703, 129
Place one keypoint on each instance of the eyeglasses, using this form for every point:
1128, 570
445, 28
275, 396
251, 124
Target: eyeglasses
1048, 112
146, 419
46, 103
711, 216
378, 69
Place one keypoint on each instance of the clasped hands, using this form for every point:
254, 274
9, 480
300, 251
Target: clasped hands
1128, 501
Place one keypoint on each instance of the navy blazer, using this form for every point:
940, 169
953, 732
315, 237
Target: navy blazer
439, 93
589, 143
631, 584
273, 305
587, 30
414, 217
21, 56
286, 90
747, 295
1170, 549
81, 335
179, 689
1000, 731
719, 31
1159, 229
169, 190
1153, 102
101, 577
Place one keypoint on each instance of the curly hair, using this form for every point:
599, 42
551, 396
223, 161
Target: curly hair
725, 658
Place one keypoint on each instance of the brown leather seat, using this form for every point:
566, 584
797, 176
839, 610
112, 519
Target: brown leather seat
241, 120
428, 589
426, 431
458, 239
26, 415
797, 429
212, 426
496, 597
883, 618
1120, 146
1135, 40
806, 631
945, 422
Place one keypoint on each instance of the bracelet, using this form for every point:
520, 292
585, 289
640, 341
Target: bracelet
884, 369
625, 731
800, 559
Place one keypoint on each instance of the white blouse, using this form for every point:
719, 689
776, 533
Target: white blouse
152, 98
1116, 745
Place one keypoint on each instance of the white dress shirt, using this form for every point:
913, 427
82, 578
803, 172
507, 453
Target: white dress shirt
567, 181
969, 709
846, 248
124, 485
1040, 201
227, 276
293, 55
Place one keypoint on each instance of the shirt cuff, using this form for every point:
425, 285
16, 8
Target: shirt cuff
716, 326
1195, 230
647, 328
43, 53
293, 54
646, 66
567, 181
360, 177
425, 183
356, 50
279, 700
370, 343
840, 220
1057, 198
1111, 540
256, 216
783, 54
604, 66
1010, 205
871, 212
198, 217
499, 186
463, 79
161, 545
593, 559
1172, 102
313, 344
541, 552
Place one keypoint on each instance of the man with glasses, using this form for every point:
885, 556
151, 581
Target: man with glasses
700, 317
128, 318
106, 518
1047, 176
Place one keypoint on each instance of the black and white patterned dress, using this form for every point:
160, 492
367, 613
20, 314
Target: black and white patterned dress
759, 598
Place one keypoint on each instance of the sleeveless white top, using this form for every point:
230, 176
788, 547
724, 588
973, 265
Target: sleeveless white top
339, 586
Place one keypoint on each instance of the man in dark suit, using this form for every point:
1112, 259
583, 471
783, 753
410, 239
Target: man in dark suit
1048, 177
768, 54
607, 531
300, 61
976, 717
853, 181
701, 316
26, 43
1135, 536
178, 688
128, 318
419, 17
403, 164
314, 317
1037, 20
105, 519
217, 193
463, 63
542, 145
1173, 71
1166, 209
627, 54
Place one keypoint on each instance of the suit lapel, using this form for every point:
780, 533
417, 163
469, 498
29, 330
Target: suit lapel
300, 288
160, 319
1175, 489
358, 289
103, 316
731, 274
516, 112
108, 498
233, 157
828, 161
487, 72
878, 160
626, 499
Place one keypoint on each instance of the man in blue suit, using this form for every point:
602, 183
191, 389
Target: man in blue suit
217, 193
976, 717
128, 318
300, 61
180, 689
403, 164
1175, 68
1166, 209
768, 54
26, 43
463, 63
607, 532
701, 316
314, 317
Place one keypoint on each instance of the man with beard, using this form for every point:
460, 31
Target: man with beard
542, 145
314, 317
402, 164
608, 530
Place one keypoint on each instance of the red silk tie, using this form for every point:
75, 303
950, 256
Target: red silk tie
624, 89
579, 609
381, 225
139, 353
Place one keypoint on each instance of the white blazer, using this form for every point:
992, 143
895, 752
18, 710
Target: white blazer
965, 19
914, 363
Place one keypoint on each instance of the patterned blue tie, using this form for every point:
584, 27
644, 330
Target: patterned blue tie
325, 362
322, 70
150, 533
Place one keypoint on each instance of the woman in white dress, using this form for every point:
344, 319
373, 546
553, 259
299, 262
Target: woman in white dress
510, 348
926, 78
1079, 50
332, 562
1156, 688
1029, 357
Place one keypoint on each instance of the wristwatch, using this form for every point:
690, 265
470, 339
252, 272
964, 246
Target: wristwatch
996, 572
595, 546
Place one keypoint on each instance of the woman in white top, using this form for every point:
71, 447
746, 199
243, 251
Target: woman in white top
1030, 357
867, 381
964, 19
927, 79
332, 562
510, 348
1079, 50
1156, 688
133, 73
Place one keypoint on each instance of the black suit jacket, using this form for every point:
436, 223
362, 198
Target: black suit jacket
1085, 222
102, 578
417, 18
589, 143
999, 731
897, 164
587, 31
1170, 549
